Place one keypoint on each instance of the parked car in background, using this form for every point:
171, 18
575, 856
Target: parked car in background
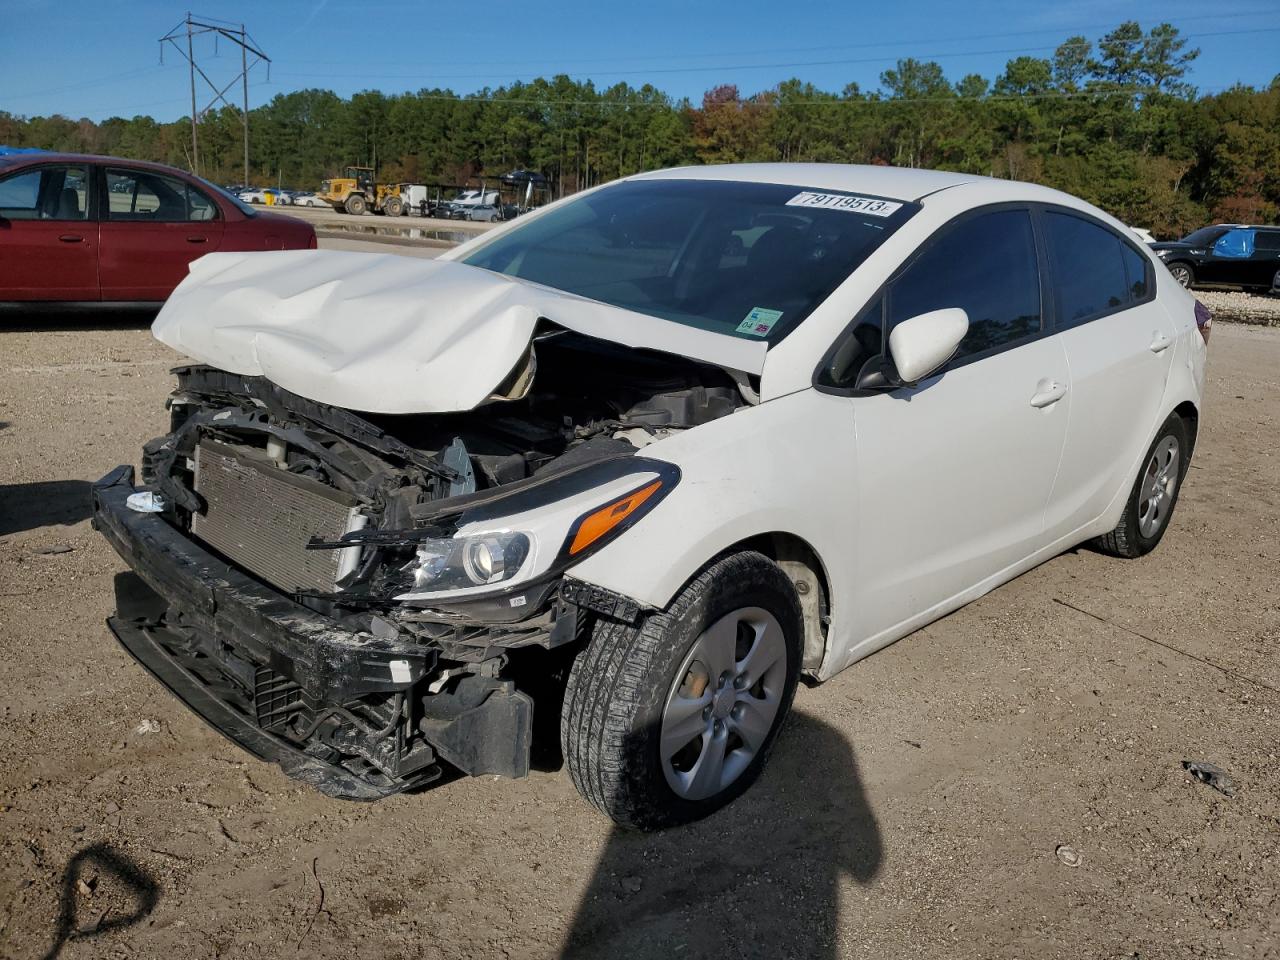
1238, 255
260, 194
303, 198
1143, 234
100, 230
483, 213
700, 431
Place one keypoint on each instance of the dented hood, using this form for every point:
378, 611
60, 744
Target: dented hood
390, 334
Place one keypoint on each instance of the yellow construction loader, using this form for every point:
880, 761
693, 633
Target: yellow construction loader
355, 192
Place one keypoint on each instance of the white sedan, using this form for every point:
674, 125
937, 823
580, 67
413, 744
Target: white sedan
704, 431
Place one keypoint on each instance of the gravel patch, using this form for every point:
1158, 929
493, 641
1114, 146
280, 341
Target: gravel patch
1240, 307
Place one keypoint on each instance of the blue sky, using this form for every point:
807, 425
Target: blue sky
95, 59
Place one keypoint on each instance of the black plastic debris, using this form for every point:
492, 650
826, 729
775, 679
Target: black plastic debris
1213, 775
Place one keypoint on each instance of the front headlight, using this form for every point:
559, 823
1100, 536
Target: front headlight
563, 521
461, 563
1163, 253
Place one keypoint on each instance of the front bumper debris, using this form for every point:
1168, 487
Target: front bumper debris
344, 711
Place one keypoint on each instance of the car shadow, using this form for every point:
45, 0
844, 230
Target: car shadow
24, 318
27, 506
105, 872
762, 878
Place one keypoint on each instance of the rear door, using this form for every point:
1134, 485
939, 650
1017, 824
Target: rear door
153, 226
1119, 344
48, 236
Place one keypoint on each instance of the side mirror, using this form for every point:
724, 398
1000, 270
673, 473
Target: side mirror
924, 343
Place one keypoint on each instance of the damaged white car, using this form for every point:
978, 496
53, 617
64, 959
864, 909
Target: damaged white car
638, 461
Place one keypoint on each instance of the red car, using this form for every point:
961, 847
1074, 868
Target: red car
86, 229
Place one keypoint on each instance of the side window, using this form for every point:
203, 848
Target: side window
859, 353
1267, 241
986, 265
154, 198
46, 193
1137, 271
1236, 244
1089, 269
199, 207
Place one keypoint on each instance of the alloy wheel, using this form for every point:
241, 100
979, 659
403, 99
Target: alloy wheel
723, 703
1159, 481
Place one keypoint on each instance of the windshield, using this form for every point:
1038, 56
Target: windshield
228, 195
1204, 237
747, 259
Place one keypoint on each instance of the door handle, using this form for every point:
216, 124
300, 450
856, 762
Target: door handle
1048, 392
1160, 342
197, 239
71, 238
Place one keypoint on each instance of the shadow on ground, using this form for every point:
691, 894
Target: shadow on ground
27, 506
762, 878
112, 876
27, 318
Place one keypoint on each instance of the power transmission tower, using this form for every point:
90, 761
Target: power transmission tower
191, 28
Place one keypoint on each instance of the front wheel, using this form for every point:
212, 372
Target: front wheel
355, 205
1154, 494
667, 721
1183, 273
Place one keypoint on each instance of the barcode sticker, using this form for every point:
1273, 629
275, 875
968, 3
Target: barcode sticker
842, 201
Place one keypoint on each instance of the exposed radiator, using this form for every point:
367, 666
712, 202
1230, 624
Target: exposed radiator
261, 517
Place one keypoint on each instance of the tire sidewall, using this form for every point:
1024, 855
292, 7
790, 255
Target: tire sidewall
750, 580
1175, 427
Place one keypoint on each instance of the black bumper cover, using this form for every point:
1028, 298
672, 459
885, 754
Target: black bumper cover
331, 664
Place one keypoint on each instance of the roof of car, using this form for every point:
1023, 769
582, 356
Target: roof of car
900, 183
17, 159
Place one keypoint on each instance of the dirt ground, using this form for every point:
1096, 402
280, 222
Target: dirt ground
913, 808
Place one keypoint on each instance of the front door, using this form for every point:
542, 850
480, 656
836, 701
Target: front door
153, 226
48, 238
955, 474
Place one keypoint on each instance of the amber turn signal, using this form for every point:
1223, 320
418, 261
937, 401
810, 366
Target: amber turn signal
595, 525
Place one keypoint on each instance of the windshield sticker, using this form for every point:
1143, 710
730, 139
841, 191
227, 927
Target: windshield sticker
759, 321
842, 201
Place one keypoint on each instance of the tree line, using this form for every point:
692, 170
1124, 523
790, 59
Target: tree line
1113, 121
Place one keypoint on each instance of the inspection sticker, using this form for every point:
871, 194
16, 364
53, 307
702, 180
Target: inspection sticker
842, 201
759, 321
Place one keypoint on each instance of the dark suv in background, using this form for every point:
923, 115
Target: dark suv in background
1227, 253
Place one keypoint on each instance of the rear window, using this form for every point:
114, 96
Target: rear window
1091, 276
750, 260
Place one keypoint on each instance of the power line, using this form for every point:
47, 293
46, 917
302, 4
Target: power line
753, 66
855, 46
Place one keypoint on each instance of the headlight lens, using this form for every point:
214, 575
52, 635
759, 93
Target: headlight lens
559, 527
1162, 253
463, 563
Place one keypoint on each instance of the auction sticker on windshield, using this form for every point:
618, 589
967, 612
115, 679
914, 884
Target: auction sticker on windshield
842, 201
759, 321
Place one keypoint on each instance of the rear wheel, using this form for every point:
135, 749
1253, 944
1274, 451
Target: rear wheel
355, 204
1154, 494
668, 721
1183, 273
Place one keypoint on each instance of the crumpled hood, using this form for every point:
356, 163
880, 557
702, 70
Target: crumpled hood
389, 334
